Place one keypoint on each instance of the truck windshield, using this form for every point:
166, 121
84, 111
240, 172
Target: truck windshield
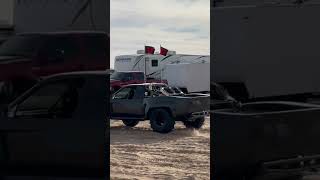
25, 46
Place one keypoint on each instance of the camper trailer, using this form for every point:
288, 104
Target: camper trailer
189, 77
154, 66
266, 50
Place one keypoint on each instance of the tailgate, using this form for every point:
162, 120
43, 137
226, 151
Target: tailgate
199, 103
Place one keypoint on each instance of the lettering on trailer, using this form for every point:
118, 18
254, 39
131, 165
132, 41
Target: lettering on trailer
124, 59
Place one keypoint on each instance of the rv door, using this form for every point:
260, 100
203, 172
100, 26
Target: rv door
146, 70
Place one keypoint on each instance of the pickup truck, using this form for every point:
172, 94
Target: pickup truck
57, 128
265, 139
160, 104
119, 79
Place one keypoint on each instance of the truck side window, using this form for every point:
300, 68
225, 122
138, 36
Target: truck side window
139, 93
58, 98
58, 50
154, 63
127, 77
122, 94
96, 47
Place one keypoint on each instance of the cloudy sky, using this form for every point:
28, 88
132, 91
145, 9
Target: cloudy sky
179, 25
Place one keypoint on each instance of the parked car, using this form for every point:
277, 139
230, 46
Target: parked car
57, 128
119, 79
265, 139
26, 58
159, 104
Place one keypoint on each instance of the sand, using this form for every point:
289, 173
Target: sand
140, 153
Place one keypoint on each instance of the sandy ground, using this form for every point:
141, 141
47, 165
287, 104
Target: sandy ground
140, 153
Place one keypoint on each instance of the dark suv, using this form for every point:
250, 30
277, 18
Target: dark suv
26, 58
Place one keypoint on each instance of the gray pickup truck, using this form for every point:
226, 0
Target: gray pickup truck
57, 129
161, 104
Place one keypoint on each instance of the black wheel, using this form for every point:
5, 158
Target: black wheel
197, 123
161, 121
130, 122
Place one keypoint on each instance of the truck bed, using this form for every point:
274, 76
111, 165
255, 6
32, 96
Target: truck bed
183, 105
263, 132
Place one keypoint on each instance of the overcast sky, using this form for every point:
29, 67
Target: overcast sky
179, 25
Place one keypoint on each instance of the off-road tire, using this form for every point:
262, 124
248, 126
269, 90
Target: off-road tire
161, 121
196, 124
130, 122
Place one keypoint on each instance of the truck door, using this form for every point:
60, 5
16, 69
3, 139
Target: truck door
34, 125
127, 103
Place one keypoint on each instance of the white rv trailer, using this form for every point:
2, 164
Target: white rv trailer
154, 65
192, 77
269, 49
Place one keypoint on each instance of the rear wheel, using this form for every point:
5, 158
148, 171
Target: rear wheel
161, 121
197, 123
130, 122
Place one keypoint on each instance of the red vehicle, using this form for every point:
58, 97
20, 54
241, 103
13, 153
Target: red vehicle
119, 79
26, 58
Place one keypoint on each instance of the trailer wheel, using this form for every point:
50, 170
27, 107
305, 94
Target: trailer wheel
161, 121
197, 124
130, 122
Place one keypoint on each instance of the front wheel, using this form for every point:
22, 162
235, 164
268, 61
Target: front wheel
161, 121
197, 123
130, 122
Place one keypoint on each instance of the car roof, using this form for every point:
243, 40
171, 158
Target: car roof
145, 84
129, 71
79, 73
63, 33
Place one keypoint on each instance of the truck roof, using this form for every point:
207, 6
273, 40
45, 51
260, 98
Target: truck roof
146, 84
79, 73
130, 71
63, 33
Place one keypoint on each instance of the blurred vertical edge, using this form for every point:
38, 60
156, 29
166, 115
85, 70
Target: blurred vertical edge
107, 124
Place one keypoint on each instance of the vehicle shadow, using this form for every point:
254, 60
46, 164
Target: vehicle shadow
121, 134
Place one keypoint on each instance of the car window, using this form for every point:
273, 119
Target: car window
127, 76
21, 46
96, 46
139, 92
44, 98
58, 50
58, 98
122, 94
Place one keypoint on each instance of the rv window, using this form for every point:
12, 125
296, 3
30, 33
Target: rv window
154, 63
